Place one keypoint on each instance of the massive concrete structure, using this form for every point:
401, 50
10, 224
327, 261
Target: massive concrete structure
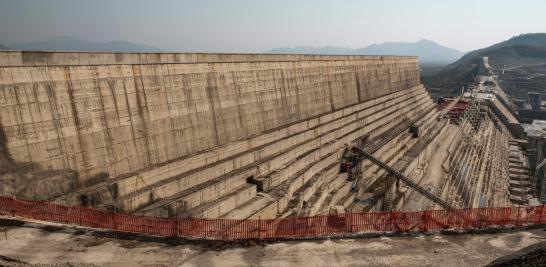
212, 135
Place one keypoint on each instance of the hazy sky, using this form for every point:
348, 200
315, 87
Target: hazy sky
256, 25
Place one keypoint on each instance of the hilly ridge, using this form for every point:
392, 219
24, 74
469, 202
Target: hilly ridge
65, 43
428, 52
523, 59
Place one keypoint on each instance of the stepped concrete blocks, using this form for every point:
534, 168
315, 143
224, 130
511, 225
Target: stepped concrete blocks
178, 132
226, 204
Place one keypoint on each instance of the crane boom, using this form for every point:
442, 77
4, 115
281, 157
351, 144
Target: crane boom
365, 155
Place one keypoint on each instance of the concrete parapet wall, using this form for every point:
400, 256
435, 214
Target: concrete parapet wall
105, 116
43, 58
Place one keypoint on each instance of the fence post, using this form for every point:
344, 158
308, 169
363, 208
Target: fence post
350, 220
541, 214
12, 206
393, 221
293, 224
537, 214
260, 227
424, 221
176, 226
346, 224
517, 218
114, 216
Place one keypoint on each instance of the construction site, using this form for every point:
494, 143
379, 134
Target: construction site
258, 138
250, 136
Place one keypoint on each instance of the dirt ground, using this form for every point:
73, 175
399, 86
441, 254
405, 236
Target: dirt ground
534, 255
32, 243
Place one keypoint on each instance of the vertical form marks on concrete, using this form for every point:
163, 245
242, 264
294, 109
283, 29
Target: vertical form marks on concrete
365, 83
399, 77
212, 94
6, 162
224, 105
118, 123
166, 134
330, 93
239, 102
190, 105
231, 100
280, 100
384, 83
56, 118
375, 82
151, 112
136, 148
358, 87
143, 129
352, 86
297, 90
279, 97
20, 119
289, 98
34, 119
26, 105
44, 128
6, 159
259, 104
174, 112
201, 128
245, 102
272, 107
77, 127
105, 133
319, 102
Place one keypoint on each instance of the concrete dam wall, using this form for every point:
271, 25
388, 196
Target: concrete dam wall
204, 135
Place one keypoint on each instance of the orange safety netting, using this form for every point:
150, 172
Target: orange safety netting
291, 227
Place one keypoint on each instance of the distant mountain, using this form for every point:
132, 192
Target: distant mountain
427, 51
72, 44
522, 57
2, 47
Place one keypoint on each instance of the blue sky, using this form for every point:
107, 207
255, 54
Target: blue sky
257, 26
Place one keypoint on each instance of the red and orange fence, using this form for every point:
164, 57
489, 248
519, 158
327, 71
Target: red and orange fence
291, 227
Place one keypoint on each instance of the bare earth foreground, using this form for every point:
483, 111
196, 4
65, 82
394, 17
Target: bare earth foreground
33, 243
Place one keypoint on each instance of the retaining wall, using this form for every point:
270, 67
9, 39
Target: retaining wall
75, 119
